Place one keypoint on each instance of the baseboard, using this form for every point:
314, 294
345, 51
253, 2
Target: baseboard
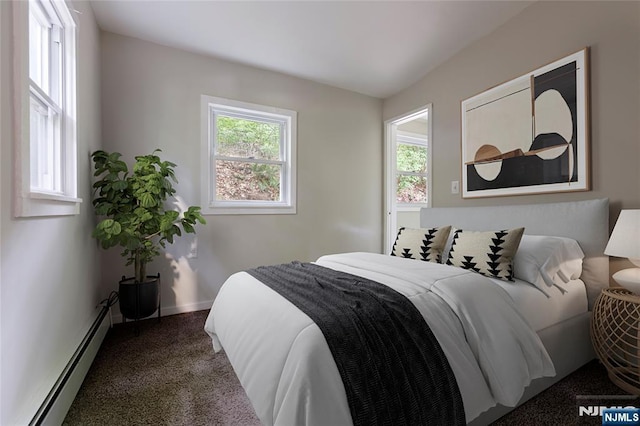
171, 310
55, 407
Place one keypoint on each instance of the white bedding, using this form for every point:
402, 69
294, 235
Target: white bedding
288, 372
542, 311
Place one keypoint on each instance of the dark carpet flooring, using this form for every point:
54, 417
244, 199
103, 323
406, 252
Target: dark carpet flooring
169, 375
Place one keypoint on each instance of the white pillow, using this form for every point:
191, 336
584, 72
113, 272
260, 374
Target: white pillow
544, 261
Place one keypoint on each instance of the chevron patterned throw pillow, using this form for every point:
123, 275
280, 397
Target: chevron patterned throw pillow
488, 253
422, 244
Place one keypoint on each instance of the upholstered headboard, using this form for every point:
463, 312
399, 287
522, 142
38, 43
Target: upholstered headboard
585, 221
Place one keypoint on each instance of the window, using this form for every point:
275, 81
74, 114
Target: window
411, 170
248, 154
408, 177
45, 84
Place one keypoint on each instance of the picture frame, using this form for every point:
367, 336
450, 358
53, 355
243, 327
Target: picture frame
529, 135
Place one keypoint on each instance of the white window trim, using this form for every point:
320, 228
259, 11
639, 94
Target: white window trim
29, 203
207, 185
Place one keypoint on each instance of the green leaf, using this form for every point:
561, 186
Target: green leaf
188, 228
103, 209
172, 215
119, 185
115, 229
108, 228
147, 200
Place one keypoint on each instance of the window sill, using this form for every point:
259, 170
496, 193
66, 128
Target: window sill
38, 204
405, 208
244, 208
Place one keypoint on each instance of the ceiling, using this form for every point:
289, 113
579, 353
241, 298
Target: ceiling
376, 48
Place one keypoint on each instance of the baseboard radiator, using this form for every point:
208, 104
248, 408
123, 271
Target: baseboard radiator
55, 407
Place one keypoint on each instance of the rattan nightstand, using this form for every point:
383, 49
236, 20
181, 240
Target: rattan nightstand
615, 332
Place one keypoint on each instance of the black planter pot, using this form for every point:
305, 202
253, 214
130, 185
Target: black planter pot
139, 300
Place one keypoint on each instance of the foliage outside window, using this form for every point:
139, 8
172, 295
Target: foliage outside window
250, 158
411, 170
45, 105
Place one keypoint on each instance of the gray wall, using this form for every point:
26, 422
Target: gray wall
49, 267
151, 99
542, 33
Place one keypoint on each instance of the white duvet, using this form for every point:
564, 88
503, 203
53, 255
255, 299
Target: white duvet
285, 366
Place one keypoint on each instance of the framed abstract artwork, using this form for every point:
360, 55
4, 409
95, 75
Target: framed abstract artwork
529, 135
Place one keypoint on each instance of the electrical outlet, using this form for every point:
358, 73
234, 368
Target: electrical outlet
455, 187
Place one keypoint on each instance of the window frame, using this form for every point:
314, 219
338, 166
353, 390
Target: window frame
31, 201
211, 107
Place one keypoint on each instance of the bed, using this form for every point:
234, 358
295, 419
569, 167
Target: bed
286, 367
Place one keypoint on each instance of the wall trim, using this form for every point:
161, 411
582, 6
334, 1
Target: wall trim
57, 403
172, 310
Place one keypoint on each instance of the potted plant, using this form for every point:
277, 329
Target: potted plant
134, 216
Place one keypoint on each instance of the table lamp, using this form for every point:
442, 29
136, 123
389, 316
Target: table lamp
625, 242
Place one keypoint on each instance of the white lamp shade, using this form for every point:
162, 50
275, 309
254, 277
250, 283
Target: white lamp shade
625, 238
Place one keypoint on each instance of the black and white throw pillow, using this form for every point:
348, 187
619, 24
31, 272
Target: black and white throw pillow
422, 243
488, 253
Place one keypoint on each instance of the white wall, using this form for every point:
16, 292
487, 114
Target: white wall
2, 135
151, 99
49, 267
